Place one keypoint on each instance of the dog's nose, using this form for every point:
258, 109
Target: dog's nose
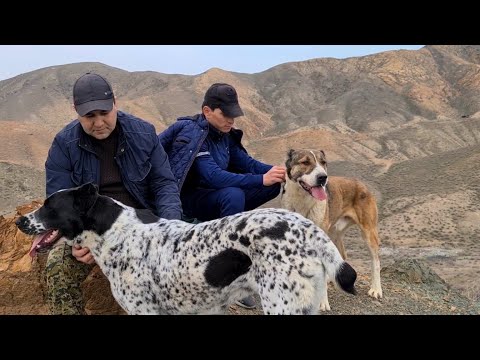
19, 221
321, 180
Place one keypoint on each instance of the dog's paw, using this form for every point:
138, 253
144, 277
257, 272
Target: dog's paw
325, 306
375, 293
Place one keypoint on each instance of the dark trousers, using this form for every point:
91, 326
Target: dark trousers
209, 204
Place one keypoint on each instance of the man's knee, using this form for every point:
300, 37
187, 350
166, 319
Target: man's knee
64, 275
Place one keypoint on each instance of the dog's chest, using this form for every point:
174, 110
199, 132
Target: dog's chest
317, 212
300, 201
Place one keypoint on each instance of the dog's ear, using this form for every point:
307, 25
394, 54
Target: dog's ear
290, 154
288, 163
323, 155
86, 196
88, 189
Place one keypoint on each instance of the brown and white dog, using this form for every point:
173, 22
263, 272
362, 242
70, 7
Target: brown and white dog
333, 203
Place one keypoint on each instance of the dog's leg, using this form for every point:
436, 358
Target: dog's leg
370, 235
336, 233
323, 293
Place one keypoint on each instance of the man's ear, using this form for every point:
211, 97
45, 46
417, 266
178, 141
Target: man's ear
206, 110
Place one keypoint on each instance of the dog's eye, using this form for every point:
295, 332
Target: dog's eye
305, 162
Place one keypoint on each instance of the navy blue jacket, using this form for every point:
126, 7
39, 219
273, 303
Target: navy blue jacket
217, 160
142, 162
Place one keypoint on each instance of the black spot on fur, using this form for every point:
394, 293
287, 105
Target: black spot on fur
226, 266
233, 237
189, 236
307, 310
302, 274
165, 239
241, 225
277, 231
244, 241
147, 249
346, 277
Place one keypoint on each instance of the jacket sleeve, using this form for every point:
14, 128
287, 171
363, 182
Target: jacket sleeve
58, 167
168, 136
212, 176
244, 163
163, 185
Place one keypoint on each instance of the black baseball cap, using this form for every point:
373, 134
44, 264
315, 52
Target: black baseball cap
92, 92
223, 96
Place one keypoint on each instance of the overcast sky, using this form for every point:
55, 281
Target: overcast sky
175, 59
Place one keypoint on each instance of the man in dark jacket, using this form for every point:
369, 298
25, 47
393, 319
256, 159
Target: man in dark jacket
214, 172
123, 156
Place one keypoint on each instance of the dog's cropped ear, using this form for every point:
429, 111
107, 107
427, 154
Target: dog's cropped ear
88, 189
288, 163
86, 197
323, 154
290, 154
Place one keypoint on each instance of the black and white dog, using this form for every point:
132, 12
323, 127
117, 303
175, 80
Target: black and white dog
158, 266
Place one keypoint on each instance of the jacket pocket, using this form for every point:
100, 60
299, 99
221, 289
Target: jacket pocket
140, 172
181, 140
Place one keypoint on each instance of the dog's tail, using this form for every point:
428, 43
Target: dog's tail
338, 270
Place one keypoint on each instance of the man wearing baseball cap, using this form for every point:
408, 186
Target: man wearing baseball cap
215, 174
123, 156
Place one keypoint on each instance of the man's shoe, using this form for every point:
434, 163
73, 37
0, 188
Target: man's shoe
247, 303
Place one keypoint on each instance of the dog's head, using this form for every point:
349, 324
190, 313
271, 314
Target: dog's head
63, 214
308, 168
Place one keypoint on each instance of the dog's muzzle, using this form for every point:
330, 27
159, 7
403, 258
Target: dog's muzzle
43, 240
319, 190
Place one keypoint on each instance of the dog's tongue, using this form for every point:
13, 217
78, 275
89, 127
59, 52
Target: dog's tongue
36, 241
318, 192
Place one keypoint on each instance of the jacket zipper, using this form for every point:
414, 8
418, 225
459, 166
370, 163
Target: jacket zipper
193, 159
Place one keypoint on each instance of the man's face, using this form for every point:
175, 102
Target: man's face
218, 120
99, 123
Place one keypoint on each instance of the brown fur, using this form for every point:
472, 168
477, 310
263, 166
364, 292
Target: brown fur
349, 202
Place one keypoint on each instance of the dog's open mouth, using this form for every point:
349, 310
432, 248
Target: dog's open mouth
318, 192
44, 241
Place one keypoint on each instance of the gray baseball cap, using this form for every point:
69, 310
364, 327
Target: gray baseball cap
92, 92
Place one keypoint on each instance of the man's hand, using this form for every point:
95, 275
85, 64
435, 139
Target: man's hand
275, 175
82, 254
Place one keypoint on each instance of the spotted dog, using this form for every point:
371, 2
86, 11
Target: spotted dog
158, 266
334, 203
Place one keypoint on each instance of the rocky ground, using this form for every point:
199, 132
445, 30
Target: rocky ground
410, 287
